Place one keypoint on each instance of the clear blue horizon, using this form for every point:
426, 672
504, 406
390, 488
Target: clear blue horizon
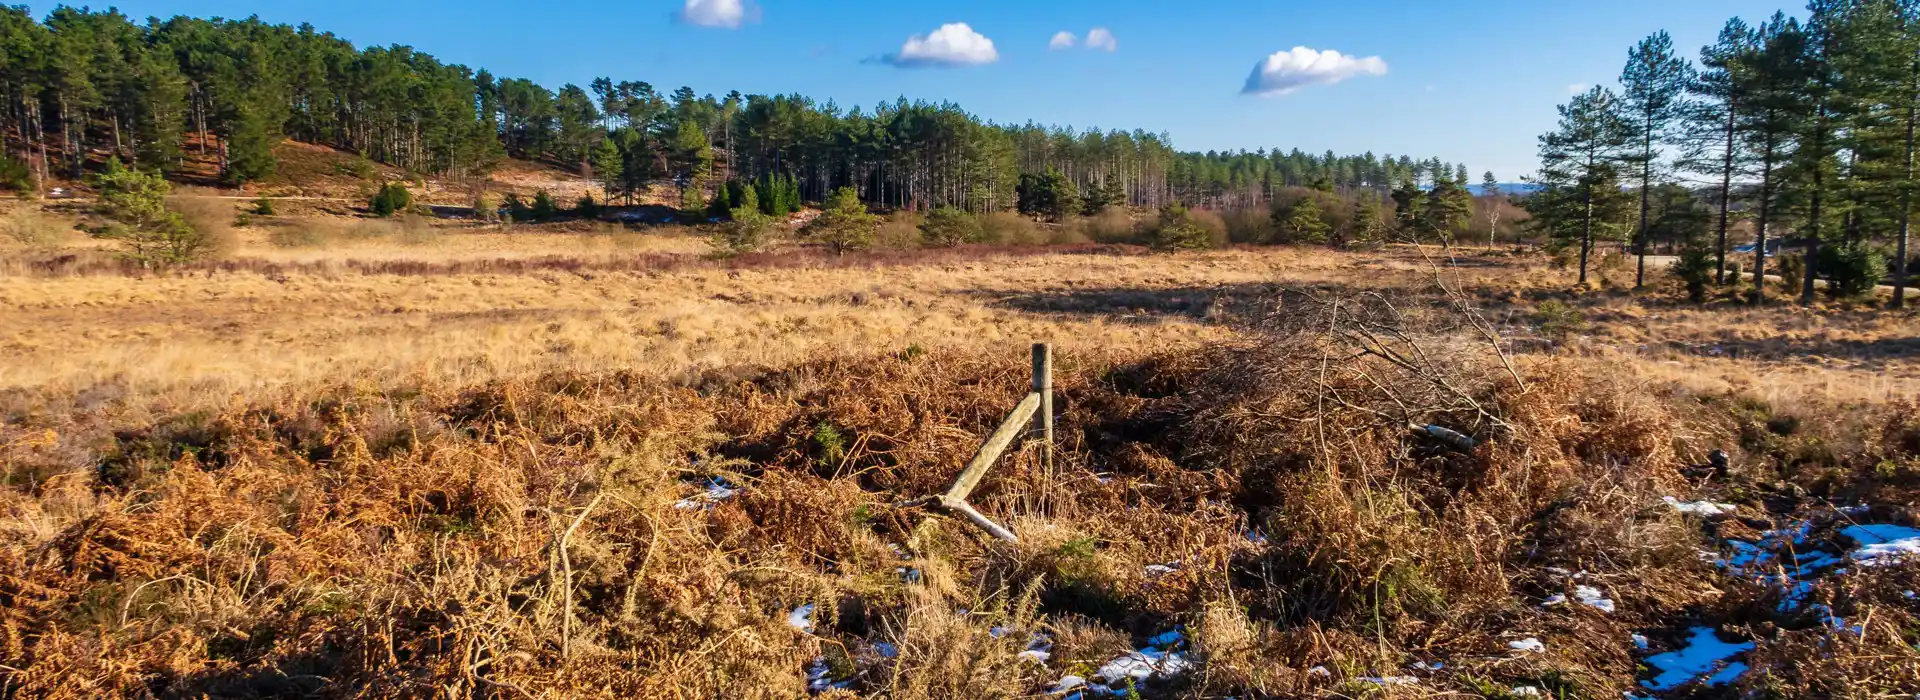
1473, 84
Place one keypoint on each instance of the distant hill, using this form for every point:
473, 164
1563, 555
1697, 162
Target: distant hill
1512, 188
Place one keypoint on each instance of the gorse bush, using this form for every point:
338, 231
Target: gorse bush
392, 198
543, 208
1852, 269
15, 175
947, 226
1560, 320
517, 209
1176, 230
1695, 269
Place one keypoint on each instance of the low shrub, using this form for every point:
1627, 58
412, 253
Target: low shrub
1008, 228
948, 226
392, 198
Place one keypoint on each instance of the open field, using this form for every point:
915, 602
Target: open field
455, 463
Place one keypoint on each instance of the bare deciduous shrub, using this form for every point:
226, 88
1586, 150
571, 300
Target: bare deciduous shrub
213, 218
1110, 225
1008, 228
1248, 226
901, 230
30, 228
1214, 224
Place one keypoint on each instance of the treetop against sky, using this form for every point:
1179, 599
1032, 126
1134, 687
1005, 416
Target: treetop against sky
1467, 83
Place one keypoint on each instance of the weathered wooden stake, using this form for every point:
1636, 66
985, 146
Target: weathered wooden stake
996, 444
1043, 385
1033, 416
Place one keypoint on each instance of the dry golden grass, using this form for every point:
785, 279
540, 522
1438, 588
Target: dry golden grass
451, 463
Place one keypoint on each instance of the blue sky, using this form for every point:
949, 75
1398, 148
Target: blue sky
1469, 82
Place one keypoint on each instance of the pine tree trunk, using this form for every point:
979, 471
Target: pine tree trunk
1586, 232
1726, 197
1811, 263
1760, 226
1906, 194
1646, 198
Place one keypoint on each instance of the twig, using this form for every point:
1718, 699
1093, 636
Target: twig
566, 566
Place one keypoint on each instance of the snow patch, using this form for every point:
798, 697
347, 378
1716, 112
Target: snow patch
1882, 545
801, 618
714, 491
1591, 597
1707, 508
1530, 645
1704, 654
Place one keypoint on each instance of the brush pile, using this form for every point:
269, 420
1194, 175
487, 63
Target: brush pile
1253, 519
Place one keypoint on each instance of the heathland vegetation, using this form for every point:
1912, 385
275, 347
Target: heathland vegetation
460, 387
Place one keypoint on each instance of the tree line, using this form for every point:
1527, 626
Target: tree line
1799, 131
81, 87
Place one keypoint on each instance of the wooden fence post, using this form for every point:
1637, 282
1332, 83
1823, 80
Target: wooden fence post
1043, 385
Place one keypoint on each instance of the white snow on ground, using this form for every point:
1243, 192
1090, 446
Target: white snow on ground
1067, 682
1141, 665
1157, 660
1701, 507
1590, 596
1162, 569
1704, 654
1391, 680
1640, 641
1529, 644
1526, 691
801, 618
717, 490
1882, 545
820, 677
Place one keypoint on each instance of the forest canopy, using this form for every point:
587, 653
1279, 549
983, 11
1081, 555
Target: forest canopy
80, 87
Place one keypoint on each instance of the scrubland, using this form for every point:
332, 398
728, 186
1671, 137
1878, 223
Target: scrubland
600, 463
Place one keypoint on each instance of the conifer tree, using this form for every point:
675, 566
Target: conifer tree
1302, 223
1579, 158
1712, 145
1653, 87
1491, 193
844, 224
1769, 117
609, 167
148, 232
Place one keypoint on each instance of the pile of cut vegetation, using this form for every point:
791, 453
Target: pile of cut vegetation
1273, 517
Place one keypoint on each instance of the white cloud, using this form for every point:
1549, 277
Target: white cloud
1577, 88
726, 14
1288, 71
1102, 40
1063, 40
954, 44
